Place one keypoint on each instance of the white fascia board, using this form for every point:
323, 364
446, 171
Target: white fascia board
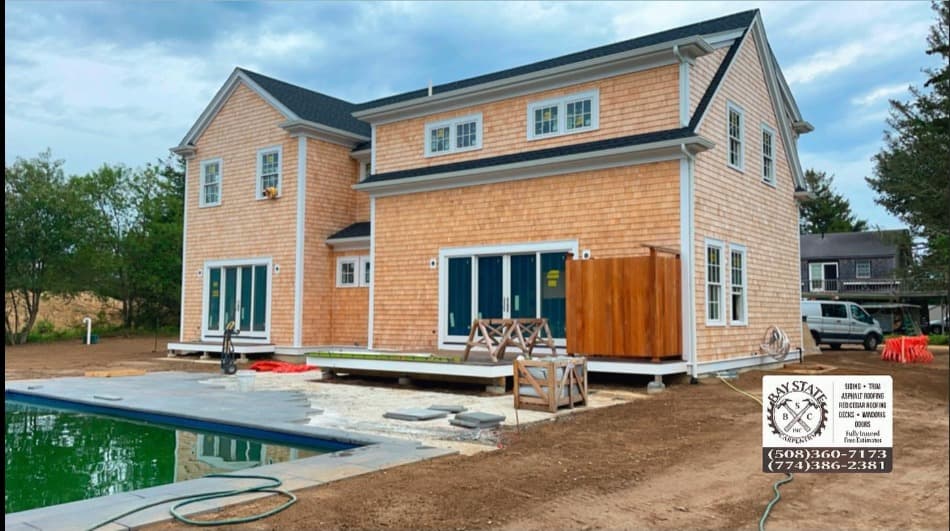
362, 155
599, 67
298, 126
237, 76
723, 38
778, 101
348, 244
595, 160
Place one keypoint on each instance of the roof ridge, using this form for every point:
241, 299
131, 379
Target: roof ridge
740, 15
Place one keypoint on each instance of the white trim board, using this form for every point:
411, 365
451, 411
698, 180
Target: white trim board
300, 235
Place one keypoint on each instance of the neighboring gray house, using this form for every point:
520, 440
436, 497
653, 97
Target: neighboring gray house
855, 264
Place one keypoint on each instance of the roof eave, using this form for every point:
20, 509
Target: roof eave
557, 165
802, 127
690, 47
356, 242
303, 127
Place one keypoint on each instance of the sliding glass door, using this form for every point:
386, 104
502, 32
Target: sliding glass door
522, 284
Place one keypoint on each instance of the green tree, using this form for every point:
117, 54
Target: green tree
912, 170
154, 245
828, 211
139, 235
113, 192
47, 225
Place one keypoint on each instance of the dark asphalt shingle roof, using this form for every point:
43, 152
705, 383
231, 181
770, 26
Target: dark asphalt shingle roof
312, 106
716, 25
538, 154
363, 146
852, 244
356, 230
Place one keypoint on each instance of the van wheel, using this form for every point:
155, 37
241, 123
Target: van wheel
834, 346
871, 342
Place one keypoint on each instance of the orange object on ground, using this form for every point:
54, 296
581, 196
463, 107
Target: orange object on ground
280, 366
906, 349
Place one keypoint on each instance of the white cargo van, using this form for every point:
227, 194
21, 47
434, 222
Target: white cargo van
838, 322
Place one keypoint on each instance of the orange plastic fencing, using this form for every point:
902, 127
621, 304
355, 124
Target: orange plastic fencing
906, 349
280, 366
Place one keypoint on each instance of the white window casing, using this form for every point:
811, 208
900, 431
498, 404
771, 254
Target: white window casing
738, 285
564, 115
768, 155
735, 136
715, 303
456, 135
209, 193
348, 272
270, 161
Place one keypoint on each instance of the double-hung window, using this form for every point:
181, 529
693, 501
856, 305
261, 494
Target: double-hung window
768, 155
735, 124
452, 136
268, 172
714, 281
210, 194
574, 113
737, 267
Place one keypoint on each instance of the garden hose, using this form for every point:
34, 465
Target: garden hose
195, 498
788, 478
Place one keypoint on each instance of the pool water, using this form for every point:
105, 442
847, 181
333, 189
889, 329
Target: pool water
56, 456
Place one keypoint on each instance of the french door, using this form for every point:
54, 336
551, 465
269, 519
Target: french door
521, 284
238, 293
823, 276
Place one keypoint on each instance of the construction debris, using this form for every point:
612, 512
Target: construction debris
415, 413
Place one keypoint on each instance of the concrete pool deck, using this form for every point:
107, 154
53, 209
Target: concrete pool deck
198, 397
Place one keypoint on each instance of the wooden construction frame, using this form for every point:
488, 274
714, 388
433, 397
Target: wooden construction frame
550, 390
497, 335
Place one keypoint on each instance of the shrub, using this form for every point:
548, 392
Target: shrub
939, 339
44, 327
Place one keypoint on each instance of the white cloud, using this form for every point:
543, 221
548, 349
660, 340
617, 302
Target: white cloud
879, 94
884, 42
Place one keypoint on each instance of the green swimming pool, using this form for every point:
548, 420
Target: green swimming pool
56, 456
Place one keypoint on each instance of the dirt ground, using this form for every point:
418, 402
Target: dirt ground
682, 459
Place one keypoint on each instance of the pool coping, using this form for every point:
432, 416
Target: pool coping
374, 453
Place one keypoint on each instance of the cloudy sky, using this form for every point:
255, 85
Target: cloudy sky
121, 82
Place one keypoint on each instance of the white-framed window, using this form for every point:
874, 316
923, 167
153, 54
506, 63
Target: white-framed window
768, 155
862, 269
366, 271
714, 281
735, 125
573, 113
366, 169
738, 285
210, 193
269, 162
347, 272
463, 133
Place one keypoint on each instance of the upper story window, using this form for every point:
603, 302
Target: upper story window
366, 169
452, 136
210, 193
714, 280
768, 155
268, 171
862, 269
735, 123
574, 113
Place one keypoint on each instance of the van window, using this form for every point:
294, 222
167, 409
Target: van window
834, 310
859, 314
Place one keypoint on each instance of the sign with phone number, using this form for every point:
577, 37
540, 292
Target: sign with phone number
827, 424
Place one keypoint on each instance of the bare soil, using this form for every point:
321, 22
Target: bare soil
72, 358
686, 458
